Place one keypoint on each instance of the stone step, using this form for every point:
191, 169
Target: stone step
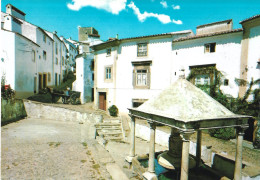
109, 133
113, 138
107, 124
109, 128
111, 121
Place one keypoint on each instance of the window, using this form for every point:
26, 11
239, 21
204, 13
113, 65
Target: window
62, 60
141, 76
92, 65
210, 48
44, 55
44, 38
109, 52
33, 55
225, 82
142, 49
202, 80
56, 48
49, 77
108, 73
56, 62
138, 102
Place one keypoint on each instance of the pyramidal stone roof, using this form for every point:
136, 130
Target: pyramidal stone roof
184, 102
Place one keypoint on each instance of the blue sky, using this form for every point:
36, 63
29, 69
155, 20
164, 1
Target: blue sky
131, 18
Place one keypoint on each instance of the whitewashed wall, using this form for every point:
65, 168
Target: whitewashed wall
227, 57
254, 56
7, 57
25, 67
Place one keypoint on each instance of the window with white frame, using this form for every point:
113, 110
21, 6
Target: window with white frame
141, 76
108, 73
142, 49
202, 80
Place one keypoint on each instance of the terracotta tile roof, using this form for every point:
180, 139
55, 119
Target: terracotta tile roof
218, 22
251, 18
208, 35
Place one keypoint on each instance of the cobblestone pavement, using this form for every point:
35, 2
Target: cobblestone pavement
44, 149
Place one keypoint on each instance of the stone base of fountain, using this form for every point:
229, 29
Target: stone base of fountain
174, 163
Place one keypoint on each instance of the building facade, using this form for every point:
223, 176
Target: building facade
44, 53
130, 71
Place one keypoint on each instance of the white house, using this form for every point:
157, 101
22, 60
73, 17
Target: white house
72, 52
250, 53
85, 63
45, 48
130, 71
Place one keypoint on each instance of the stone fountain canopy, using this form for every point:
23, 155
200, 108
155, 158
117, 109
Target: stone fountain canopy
186, 107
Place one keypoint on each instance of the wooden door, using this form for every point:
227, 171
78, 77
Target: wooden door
44, 80
40, 81
102, 101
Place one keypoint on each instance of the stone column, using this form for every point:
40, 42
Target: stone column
238, 160
185, 155
198, 148
151, 168
132, 145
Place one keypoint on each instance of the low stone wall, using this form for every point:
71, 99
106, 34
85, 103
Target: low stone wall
12, 110
47, 111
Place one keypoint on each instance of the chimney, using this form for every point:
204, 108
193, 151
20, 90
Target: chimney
10, 9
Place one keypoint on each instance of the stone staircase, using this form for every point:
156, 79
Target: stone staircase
109, 130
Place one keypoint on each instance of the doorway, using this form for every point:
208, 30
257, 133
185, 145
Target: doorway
102, 101
40, 81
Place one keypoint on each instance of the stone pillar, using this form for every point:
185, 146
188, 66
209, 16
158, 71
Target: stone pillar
151, 168
185, 155
238, 160
198, 148
132, 145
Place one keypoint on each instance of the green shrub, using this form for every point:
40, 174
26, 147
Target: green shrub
223, 133
113, 110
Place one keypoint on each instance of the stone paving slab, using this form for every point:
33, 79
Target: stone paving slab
44, 149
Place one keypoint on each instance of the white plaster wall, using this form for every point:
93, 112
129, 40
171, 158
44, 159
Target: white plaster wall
84, 82
25, 67
254, 56
227, 57
8, 56
45, 66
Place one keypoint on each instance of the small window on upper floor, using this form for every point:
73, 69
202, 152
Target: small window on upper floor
142, 49
44, 55
108, 51
56, 62
210, 48
44, 38
33, 55
56, 48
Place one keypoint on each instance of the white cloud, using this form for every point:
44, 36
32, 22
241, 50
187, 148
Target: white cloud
176, 7
112, 6
177, 22
165, 19
164, 4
